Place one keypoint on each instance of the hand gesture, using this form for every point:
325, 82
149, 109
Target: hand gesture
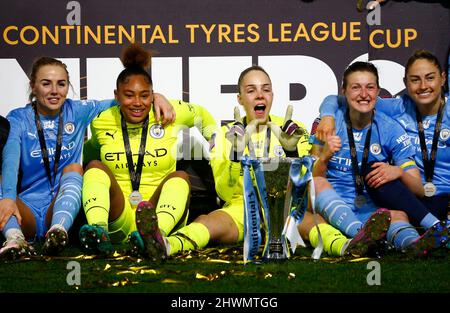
290, 133
238, 135
325, 128
332, 145
162, 107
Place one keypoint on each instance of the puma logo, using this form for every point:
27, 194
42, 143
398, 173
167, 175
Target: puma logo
111, 135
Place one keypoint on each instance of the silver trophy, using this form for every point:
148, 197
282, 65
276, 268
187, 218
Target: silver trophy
278, 192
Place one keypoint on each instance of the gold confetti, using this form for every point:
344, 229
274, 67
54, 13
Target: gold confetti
125, 272
123, 283
218, 261
137, 268
171, 281
239, 273
107, 267
291, 276
201, 277
332, 260
359, 260
151, 271
268, 275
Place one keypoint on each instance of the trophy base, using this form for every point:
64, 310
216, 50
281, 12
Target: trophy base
275, 259
276, 252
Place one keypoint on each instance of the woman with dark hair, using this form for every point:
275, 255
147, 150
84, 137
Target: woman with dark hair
424, 113
133, 190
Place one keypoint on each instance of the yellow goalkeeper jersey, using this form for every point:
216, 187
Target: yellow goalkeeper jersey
160, 150
228, 174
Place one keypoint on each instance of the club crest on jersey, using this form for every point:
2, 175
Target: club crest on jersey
445, 134
375, 149
156, 131
278, 151
69, 128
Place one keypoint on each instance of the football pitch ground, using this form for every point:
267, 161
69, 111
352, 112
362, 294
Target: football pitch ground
216, 280
221, 270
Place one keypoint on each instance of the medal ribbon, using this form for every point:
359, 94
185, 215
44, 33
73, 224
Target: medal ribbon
44, 150
135, 175
429, 163
357, 173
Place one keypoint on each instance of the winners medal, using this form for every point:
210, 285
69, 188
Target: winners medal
135, 174
360, 201
135, 198
430, 189
429, 161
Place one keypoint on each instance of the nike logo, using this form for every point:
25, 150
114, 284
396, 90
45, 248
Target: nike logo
111, 135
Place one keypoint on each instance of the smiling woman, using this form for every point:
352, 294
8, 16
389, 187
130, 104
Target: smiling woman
134, 86
49, 86
137, 162
45, 144
423, 114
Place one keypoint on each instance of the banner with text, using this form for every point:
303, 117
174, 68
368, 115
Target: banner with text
201, 46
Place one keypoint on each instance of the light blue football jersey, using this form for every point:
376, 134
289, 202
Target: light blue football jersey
389, 143
23, 150
402, 109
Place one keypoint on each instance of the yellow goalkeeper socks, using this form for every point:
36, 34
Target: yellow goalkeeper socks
171, 208
192, 236
95, 194
333, 240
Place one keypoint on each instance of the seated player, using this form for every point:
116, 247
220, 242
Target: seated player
138, 160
